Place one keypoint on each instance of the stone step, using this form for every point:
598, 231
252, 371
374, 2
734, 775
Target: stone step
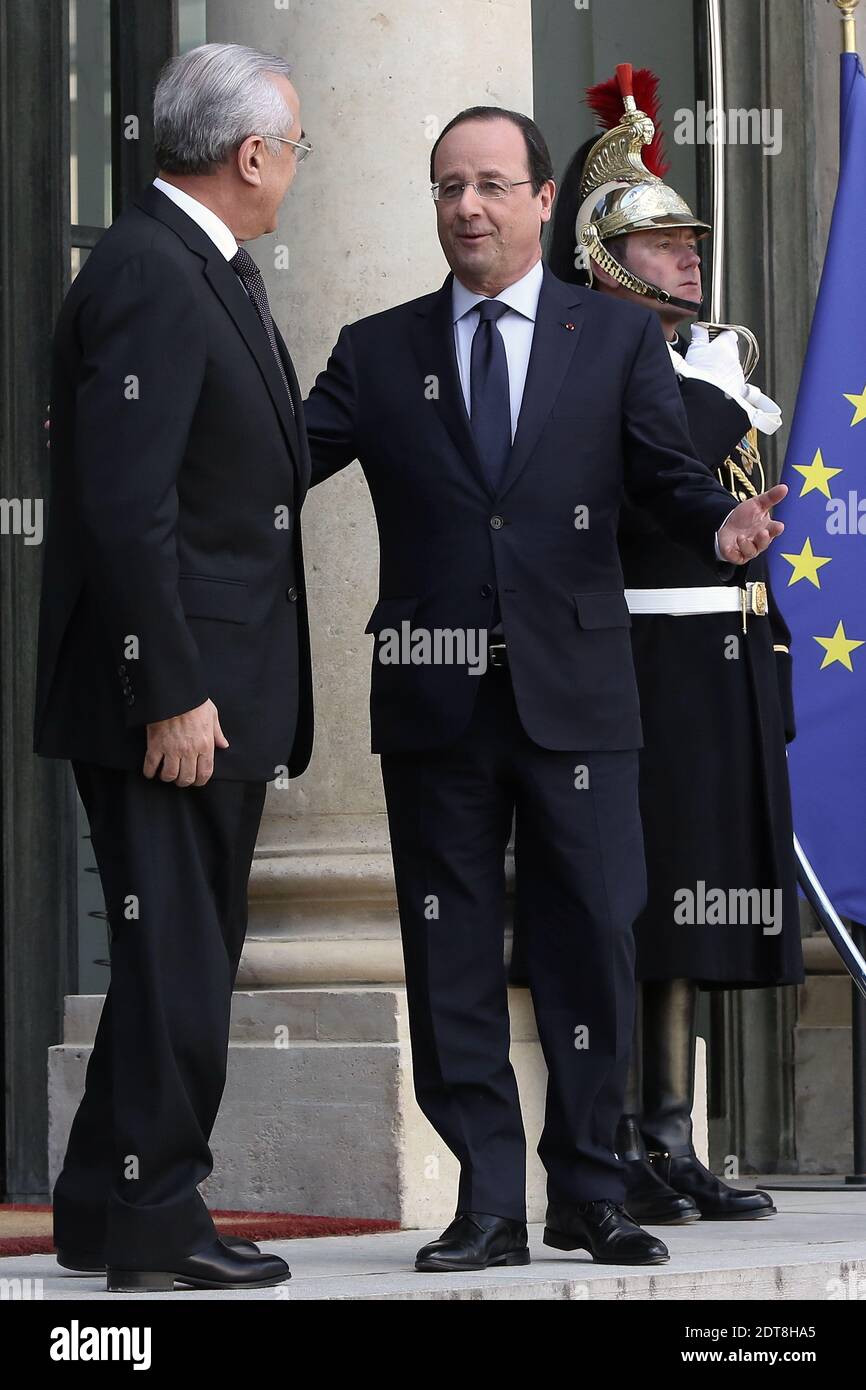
814, 1249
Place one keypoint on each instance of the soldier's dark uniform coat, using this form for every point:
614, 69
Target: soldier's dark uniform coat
713, 787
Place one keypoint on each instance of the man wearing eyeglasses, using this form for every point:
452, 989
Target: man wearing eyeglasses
174, 666
496, 421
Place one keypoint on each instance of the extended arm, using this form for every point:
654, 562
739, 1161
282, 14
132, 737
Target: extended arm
663, 475
331, 413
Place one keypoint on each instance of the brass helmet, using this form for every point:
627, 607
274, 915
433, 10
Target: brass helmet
618, 193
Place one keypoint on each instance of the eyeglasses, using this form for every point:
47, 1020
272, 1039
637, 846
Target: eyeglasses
487, 188
302, 148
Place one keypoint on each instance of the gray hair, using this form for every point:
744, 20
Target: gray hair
209, 99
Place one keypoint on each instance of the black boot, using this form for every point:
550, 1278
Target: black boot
716, 1200
669, 1018
648, 1199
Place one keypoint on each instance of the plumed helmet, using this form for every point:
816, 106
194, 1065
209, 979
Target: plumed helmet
622, 187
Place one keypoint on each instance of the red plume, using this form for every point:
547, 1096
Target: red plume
606, 100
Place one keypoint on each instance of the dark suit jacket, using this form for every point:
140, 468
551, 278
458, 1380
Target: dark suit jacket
167, 579
601, 406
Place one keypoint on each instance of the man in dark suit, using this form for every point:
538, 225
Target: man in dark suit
496, 421
173, 652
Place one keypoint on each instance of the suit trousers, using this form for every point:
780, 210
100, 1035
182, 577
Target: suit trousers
580, 882
174, 865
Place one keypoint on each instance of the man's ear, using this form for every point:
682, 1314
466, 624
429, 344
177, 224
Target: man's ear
601, 277
249, 159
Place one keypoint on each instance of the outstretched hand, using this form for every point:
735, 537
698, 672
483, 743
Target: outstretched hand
749, 529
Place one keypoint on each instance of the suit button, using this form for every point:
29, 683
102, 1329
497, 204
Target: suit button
486, 590
292, 594
497, 523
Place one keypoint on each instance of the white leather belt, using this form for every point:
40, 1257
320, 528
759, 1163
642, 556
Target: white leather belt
683, 603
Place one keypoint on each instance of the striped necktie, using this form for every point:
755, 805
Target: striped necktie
250, 277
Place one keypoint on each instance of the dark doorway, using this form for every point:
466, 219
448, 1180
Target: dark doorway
76, 82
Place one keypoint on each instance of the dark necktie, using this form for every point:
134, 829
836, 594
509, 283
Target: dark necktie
488, 392
250, 277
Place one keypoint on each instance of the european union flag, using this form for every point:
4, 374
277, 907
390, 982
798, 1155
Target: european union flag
818, 567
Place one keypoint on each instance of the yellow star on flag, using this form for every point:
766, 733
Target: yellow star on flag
859, 404
838, 648
806, 565
817, 475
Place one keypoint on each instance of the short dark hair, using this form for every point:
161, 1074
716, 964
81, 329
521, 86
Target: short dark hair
540, 163
618, 247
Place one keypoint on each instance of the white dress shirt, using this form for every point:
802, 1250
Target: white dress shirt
211, 225
516, 328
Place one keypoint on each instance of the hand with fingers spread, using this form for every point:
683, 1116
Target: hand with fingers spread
749, 528
181, 749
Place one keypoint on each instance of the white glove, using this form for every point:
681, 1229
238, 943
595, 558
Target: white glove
718, 361
718, 364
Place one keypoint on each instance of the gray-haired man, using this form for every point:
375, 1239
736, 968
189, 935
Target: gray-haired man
173, 655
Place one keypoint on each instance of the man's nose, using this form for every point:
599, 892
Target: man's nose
469, 203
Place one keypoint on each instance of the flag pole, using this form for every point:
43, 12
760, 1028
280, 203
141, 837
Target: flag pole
849, 36
830, 920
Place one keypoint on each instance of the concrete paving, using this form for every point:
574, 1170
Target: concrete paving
815, 1248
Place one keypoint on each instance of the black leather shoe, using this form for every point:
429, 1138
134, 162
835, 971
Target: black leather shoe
715, 1200
80, 1263
475, 1240
215, 1267
605, 1229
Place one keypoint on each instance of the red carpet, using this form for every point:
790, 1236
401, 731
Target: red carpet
26, 1230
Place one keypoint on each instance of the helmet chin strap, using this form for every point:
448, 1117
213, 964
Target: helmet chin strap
654, 292
599, 253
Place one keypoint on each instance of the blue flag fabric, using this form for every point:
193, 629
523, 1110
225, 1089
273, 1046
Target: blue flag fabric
818, 566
